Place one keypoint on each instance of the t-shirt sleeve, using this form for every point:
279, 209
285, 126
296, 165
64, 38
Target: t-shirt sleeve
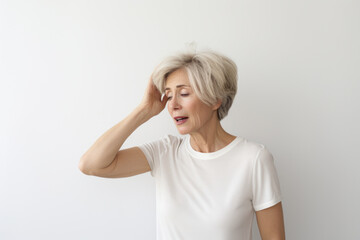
154, 152
265, 181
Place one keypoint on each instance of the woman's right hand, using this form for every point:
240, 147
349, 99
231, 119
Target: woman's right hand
151, 102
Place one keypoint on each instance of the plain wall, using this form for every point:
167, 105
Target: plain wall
70, 70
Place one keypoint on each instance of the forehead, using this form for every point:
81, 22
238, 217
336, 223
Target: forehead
178, 77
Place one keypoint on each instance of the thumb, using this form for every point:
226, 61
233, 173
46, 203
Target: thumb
164, 100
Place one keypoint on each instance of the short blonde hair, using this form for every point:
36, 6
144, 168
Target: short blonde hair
213, 76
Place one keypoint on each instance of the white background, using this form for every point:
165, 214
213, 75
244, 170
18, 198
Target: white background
70, 70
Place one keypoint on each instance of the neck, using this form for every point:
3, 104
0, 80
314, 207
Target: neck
211, 137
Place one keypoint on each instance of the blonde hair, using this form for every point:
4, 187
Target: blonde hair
213, 76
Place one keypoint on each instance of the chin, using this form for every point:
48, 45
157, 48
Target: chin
183, 131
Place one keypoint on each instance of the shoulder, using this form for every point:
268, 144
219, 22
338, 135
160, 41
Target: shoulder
171, 139
252, 147
261, 156
162, 145
256, 151
168, 141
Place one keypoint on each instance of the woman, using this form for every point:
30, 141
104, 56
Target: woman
209, 182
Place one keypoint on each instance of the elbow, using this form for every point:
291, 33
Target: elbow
82, 167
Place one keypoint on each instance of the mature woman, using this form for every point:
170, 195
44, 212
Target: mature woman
209, 182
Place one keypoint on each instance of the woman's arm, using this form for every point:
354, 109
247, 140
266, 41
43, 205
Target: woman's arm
271, 223
106, 149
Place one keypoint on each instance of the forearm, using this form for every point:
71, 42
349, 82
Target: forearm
103, 151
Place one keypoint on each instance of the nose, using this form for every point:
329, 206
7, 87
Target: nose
174, 103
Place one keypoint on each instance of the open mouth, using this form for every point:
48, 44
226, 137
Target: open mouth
180, 120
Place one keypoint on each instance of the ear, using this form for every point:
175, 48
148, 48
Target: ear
217, 104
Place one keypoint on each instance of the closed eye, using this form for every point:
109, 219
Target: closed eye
183, 95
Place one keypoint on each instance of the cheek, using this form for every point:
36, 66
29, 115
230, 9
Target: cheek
169, 110
198, 114
203, 114
197, 120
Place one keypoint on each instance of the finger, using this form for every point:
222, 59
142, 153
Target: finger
164, 101
164, 98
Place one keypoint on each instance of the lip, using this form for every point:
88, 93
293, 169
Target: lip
180, 121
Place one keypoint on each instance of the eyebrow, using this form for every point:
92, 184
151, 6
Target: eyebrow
178, 86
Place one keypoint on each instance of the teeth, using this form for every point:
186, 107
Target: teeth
178, 119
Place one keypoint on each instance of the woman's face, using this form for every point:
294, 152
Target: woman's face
189, 113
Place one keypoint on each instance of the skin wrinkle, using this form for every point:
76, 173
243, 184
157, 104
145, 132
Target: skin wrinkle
211, 77
203, 125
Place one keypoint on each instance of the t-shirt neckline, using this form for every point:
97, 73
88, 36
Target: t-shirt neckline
211, 155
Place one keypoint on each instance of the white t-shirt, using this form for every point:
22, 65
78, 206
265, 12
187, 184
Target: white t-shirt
213, 195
